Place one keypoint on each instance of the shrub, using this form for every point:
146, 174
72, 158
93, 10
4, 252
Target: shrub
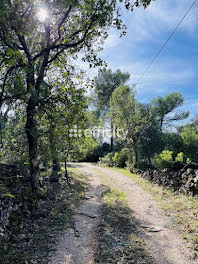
107, 160
142, 165
164, 159
99, 152
120, 158
180, 157
188, 160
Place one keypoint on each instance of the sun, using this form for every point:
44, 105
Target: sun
42, 14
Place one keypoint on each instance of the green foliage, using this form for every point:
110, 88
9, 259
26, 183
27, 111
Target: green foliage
33, 52
164, 159
105, 83
13, 141
121, 157
82, 148
99, 152
166, 155
188, 160
173, 141
107, 160
189, 137
142, 165
180, 157
127, 113
164, 106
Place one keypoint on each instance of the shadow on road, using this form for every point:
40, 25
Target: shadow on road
120, 234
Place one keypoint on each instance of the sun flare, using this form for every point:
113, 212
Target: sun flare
42, 14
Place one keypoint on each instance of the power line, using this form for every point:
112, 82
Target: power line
160, 50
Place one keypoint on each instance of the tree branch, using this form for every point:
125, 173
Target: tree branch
68, 45
61, 23
9, 71
55, 56
24, 45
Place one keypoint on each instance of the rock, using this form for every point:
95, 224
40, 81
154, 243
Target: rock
191, 165
178, 166
182, 179
8, 174
190, 171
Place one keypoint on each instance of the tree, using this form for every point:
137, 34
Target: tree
66, 107
131, 115
189, 137
152, 142
163, 111
30, 46
13, 141
164, 108
194, 122
105, 83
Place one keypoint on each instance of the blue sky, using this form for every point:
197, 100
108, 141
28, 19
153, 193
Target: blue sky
176, 69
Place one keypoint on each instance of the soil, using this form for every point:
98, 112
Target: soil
79, 244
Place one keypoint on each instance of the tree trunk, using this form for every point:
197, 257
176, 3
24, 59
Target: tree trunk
149, 158
54, 155
134, 156
112, 139
66, 172
32, 136
56, 165
33, 88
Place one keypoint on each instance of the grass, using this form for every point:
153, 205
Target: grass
119, 238
182, 209
33, 241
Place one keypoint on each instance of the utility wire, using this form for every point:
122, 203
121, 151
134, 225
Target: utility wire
160, 50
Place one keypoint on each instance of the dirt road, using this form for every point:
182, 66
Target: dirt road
162, 241
77, 244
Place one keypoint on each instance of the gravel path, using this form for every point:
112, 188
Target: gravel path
163, 241
78, 244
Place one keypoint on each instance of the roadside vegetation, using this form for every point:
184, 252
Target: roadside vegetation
34, 238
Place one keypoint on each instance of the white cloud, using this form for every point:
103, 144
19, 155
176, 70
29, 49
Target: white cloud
113, 40
164, 16
160, 17
147, 31
160, 78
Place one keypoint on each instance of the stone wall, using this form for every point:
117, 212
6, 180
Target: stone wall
16, 198
181, 178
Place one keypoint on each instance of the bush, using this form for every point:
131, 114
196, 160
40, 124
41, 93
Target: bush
143, 165
164, 159
107, 160
180, 157
120, 158
100, 151
188, 160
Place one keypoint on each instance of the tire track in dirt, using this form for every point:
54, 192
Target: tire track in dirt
163, 241
77, 245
